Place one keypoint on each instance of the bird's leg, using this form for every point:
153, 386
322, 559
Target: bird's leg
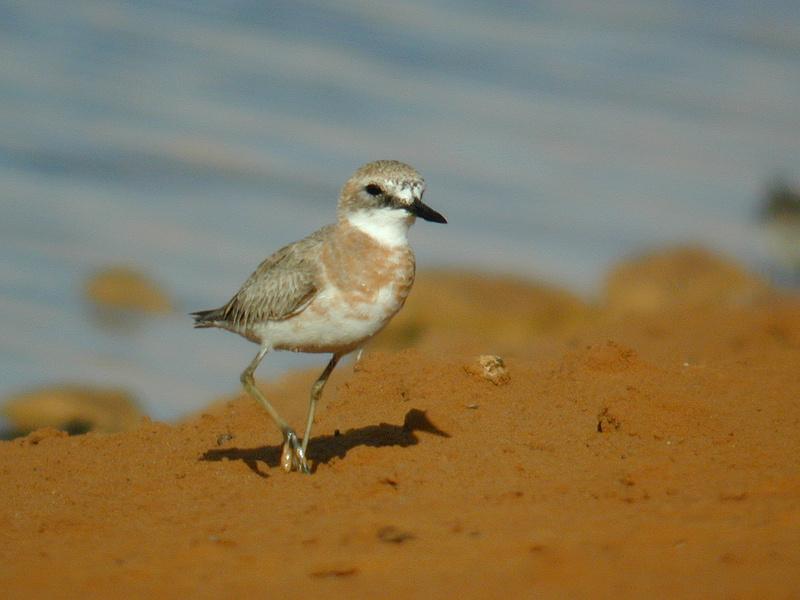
316, 392
293, 455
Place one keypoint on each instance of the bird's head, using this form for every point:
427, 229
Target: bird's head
383, 198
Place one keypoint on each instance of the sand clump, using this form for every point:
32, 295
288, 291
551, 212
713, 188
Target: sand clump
489, 367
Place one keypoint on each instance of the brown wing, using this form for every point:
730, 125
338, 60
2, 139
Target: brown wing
281, 286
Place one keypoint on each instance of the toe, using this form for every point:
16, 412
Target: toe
287, 459
292, 456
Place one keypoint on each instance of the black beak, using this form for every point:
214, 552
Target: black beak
423, 211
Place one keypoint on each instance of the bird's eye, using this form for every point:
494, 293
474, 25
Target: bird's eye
373, 189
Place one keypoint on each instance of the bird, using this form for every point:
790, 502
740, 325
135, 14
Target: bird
333, 290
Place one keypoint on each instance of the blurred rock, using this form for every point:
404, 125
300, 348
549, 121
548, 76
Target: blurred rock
474, 312
780, 213
683, 277
71, 408
781, 202
126, 289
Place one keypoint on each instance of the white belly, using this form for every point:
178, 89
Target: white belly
333, 322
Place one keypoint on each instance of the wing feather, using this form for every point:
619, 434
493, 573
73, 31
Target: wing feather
282, 286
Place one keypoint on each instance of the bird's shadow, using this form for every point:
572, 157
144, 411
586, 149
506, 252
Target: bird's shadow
324, 448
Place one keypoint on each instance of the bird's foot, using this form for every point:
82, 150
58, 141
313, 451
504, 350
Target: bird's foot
293, 458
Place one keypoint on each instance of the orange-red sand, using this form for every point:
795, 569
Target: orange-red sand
651, 456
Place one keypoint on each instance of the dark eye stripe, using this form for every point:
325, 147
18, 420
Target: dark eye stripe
373, 189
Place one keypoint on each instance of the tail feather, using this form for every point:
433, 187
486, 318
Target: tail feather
207, 318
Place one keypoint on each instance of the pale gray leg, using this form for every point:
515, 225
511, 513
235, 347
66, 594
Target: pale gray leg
293, 455
316, 392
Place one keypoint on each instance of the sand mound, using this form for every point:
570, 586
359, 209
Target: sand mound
469, 312
74, 408
683, 277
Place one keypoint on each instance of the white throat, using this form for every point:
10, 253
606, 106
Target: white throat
387, 226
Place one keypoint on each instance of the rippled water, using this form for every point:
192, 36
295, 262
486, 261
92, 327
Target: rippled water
193, 138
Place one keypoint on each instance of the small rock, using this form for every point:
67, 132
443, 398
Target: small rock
224, 438
393, 535
491, 368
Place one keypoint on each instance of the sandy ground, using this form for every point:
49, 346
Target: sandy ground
654, 454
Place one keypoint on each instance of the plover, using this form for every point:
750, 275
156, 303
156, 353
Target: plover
333, 290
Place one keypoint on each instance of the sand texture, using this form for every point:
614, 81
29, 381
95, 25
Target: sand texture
655, 454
